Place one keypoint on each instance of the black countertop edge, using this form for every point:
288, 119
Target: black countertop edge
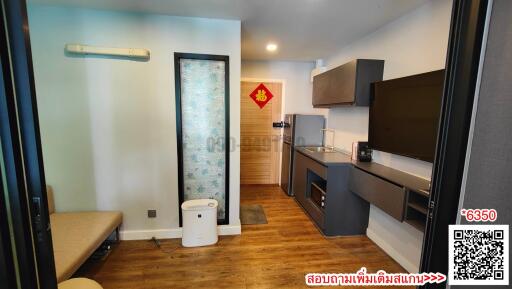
395, 176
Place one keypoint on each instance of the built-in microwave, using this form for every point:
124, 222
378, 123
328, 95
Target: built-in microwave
318, 194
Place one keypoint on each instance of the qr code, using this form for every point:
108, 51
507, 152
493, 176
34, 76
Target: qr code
478, 255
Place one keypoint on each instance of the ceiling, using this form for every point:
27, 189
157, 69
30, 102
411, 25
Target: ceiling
304, 30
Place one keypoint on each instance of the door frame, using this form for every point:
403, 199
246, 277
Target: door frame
462, 69
227, 143
283, 97
8, 263
22, 153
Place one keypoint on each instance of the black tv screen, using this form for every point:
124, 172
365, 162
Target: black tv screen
404, 115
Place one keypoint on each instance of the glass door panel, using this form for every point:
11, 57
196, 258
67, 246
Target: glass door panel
202, 110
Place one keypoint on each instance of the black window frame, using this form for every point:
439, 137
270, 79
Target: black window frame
177, 82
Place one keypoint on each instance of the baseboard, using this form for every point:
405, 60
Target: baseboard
174, 233
235, 229
148, 234
396, 255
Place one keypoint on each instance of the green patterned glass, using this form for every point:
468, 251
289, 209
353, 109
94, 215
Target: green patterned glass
203, 130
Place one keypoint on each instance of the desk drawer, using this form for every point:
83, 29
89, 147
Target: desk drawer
385, 195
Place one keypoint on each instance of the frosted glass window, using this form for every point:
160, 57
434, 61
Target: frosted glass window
203, 130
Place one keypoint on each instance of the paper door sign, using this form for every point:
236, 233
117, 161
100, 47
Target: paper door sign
261, 95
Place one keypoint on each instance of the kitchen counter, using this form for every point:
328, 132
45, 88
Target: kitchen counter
320, 186
335, 158
347, 188
397, 177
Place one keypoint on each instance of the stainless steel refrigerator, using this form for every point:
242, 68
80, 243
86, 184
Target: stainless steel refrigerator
299, 130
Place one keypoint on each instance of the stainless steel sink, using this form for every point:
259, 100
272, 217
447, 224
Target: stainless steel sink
320, 149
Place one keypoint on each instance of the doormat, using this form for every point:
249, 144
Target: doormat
252, 215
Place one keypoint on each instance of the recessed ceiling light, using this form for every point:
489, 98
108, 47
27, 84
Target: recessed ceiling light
271, 47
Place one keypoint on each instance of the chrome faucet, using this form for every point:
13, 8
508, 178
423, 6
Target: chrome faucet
325, 130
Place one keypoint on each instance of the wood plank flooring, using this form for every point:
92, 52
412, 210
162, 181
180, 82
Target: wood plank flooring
274, 255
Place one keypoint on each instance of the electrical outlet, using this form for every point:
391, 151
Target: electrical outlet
151, 213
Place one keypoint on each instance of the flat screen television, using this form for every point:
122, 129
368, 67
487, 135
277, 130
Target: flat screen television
404, 115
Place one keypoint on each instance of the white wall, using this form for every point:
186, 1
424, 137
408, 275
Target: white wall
414, 43
296, 77
108, 125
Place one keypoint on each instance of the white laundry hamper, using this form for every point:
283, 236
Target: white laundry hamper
199, 222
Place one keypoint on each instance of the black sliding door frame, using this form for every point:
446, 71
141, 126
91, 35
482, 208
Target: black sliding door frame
177, 79
8, 264
13, 163
22, 154
462, 66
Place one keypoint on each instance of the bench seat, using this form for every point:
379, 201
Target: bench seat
76, 235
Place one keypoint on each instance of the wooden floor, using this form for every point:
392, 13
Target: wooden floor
274, 255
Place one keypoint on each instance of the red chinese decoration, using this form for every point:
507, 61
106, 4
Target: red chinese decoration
261, 95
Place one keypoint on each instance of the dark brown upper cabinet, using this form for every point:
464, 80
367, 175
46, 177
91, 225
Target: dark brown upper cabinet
347, 84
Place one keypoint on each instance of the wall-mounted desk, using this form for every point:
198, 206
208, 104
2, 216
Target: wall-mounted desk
403, 196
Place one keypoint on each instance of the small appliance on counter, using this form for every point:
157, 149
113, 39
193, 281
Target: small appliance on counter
364, 152
298, 130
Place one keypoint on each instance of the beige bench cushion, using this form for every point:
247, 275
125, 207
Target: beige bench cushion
77, 235
79, 283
